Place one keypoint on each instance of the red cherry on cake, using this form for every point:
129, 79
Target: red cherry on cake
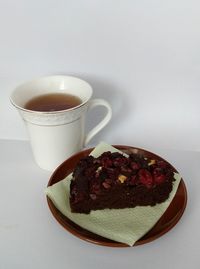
106, 162
145, 178
133, 180
158, 176
135, 166
161, 164
119, 161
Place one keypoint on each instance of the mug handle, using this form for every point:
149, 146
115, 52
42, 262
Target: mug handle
92, 104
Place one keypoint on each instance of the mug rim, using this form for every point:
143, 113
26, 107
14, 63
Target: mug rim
50, 112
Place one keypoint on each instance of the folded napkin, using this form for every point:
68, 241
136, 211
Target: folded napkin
122, 225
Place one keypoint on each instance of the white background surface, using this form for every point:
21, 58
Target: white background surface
142, 56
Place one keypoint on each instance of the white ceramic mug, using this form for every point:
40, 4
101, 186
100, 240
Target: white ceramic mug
56, 135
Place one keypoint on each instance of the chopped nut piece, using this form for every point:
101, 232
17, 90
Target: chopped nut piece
151, 162
99, 169
122, 178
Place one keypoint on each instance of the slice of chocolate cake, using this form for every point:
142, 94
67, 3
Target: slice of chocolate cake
115, 181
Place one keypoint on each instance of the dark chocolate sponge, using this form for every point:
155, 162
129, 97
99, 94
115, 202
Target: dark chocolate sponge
116, 181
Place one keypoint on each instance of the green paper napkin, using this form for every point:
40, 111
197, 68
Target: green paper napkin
121, 225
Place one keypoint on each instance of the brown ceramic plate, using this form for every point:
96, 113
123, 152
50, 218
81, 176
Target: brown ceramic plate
165, 223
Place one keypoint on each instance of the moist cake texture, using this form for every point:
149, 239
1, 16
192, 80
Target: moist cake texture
115, 181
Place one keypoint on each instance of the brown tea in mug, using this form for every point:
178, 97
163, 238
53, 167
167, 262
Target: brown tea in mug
53, 102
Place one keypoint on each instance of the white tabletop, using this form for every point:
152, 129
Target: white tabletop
31, 238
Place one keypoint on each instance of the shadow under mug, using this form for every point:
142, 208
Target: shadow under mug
56, 135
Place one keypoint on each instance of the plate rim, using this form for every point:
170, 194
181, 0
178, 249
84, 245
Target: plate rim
110, 243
